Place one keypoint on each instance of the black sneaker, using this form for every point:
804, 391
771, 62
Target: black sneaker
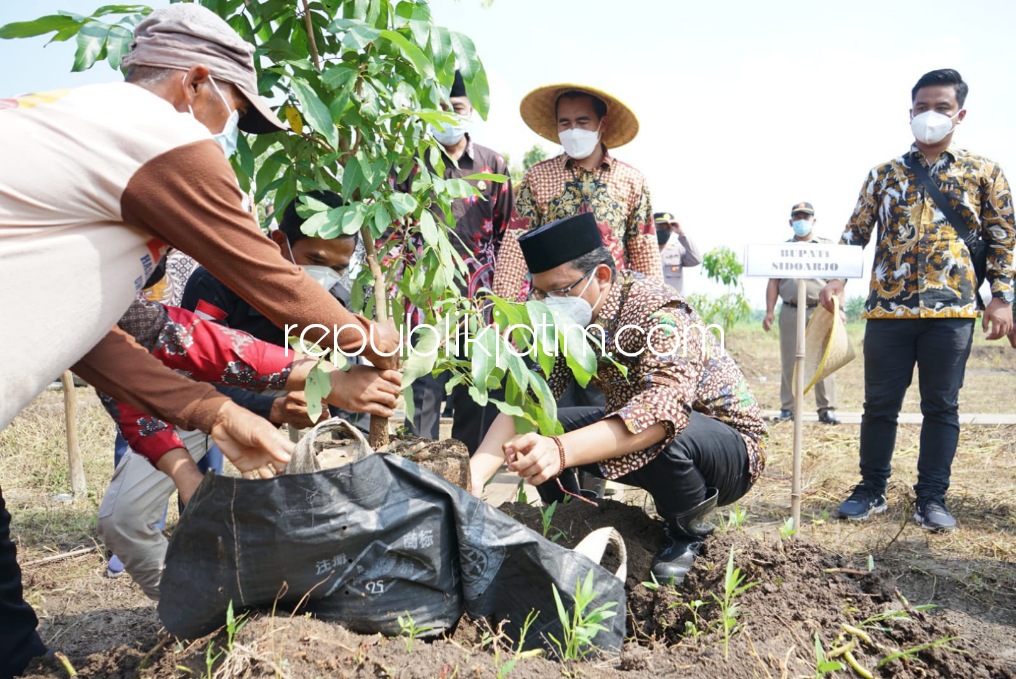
784, 416
861, 504
934, 515
828, 417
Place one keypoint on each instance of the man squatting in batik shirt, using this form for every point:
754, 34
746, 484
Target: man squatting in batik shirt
205, 351
682, 424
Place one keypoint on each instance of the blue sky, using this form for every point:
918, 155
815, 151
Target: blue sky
745, 108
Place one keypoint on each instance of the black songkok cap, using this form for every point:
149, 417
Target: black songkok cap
458, 87
560, 242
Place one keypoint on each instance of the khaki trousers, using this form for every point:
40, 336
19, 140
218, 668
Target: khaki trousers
825, 391
132, 507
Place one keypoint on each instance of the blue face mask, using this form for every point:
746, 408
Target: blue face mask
802, 227
231, 130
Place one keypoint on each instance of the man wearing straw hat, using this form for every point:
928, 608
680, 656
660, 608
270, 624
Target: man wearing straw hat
587, 122
923, 296
802, 221
680, 420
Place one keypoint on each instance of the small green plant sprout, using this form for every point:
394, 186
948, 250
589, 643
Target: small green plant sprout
233, 626
505, 668
581, 627
652, 584
736, 518
520, 495
733, 586
693, 628
788, 530
550, 532
823, 665
871, 563
409, 630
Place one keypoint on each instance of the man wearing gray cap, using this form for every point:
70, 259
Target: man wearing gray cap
101, 180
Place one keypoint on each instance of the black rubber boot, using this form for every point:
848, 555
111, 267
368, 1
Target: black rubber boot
683, 536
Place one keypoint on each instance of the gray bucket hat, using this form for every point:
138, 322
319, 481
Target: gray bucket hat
185, 34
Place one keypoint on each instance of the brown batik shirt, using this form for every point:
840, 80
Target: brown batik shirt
616, 193
673, 364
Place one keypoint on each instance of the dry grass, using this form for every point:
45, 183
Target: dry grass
991, 372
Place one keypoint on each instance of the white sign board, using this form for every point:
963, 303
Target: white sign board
804, 260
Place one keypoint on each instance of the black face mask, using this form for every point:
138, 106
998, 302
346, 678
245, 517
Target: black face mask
662, 236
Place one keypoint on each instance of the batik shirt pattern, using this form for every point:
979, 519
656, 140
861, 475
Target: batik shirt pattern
616, 193
922, 267
672, 365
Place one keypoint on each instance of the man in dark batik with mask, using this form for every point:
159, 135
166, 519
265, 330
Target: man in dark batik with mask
680, 423
480, 225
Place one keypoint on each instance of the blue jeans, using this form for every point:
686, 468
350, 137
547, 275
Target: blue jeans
939, 347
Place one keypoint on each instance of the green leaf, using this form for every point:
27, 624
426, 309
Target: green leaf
122, 9
316, 389
423, 354
316, 112
417, 17
117, 45
244, 156
338, 76
487, 176
420, 61
428, 229
482, 356
402, 204
45, 24
473, 75
357, 34
91, 43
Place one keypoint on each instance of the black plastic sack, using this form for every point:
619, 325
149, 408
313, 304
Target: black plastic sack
366, 543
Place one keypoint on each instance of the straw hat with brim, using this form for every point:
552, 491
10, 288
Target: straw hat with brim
538, 110
827, 346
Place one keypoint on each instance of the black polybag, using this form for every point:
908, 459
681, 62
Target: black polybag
366, 543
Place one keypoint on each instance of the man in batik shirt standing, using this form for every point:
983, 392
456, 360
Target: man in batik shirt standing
923, 296
680, 420
480, 225
584, 178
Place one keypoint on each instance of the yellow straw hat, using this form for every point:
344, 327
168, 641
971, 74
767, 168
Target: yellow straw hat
827, 346
538, 110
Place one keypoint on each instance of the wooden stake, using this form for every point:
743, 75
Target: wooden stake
77, 469
802, 318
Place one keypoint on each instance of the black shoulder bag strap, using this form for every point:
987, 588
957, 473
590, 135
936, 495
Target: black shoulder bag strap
940, 200
975, 245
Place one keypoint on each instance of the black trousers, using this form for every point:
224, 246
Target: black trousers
470, 420
940, 348
428, 395
19, 640
707, 454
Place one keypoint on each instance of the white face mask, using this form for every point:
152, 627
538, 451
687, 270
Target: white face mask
448, 134
579, 143
577, 309
325, 275
226, 138
932, 127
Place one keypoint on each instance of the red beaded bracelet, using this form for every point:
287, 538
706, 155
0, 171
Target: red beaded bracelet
560, 450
